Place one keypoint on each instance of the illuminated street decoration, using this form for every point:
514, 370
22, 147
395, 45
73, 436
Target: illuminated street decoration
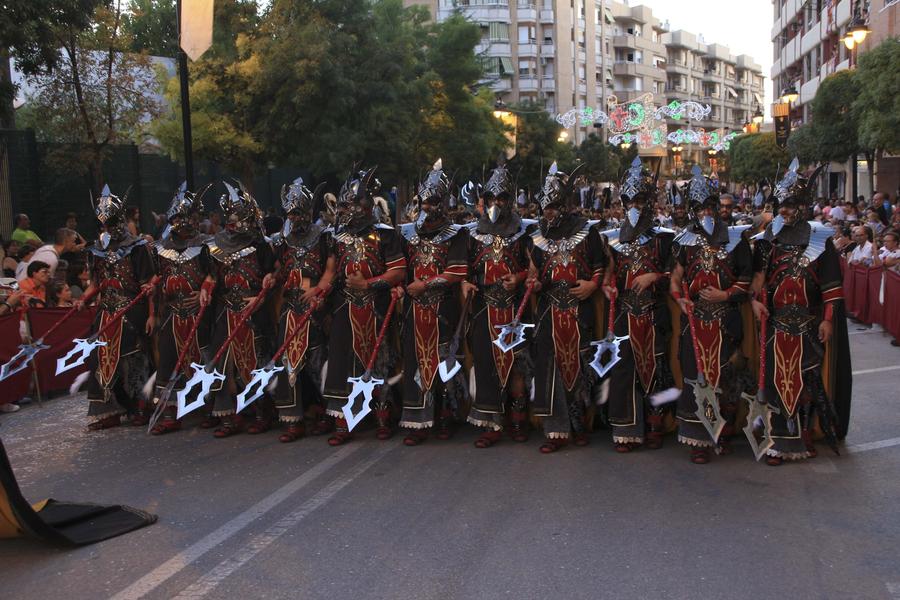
637, 122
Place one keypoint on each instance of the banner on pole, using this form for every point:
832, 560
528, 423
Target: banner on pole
196, 27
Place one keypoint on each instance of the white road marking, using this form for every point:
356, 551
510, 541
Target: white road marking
857, 448
174, 565
893, 589
878, 370
258, 543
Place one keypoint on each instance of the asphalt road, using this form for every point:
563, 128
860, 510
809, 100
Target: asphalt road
247, 517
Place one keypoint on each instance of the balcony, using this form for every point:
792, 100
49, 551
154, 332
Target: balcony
484, 13
528, 50
528, 83
548, 84
498, 49
546, 15
677, 67
709, 75
500, 84
548, 50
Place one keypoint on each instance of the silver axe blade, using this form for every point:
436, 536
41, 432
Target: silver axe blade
21, 359
205, 379
762, 412
609, 344
448, 368
258, 382
515, 330
708, 411
365, 385
82, 349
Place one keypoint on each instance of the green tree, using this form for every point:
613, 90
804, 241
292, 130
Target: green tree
804, 144
834, 124
153, 27
601, 162
223, 96
537, 146
877, 107
99, 95
32, 33
756, 156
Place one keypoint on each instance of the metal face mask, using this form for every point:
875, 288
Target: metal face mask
708, 224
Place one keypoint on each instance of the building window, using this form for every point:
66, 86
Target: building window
526, 68
527, 34
498, 32
581, 73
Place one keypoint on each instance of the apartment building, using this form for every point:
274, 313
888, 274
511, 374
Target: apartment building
808, 46
577, 53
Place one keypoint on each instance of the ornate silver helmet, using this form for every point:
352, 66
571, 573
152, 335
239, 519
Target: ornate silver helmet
110, 209
499, 183
638, 188
360, 188
435, 188
240, 210
794, 189
557, 187
296, 197
702, 191
184, 203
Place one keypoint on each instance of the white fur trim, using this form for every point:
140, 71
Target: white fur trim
414, 425
79, 381
665, 396
694, 443
147, 390
487, 424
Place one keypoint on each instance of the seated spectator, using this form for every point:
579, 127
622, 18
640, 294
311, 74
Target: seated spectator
843, 242
133, 220
23, 233
865, 250
11, 258
838, 213
34, 287
26, 251
60, 295
889, 255
873, 221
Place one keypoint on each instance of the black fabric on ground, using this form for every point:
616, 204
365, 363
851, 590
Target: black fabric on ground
67, 523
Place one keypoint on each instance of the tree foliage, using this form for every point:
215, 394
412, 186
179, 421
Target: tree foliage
756, 156
98, 95
804, 144
877, 107
834, 126
537, 146
32, 33
601, 161
337, 82
152, 26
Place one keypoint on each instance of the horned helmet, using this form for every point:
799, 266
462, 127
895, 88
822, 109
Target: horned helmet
183, 209
110, 211
240, 210
356, 198
793, 193
638, 191
301, 205
703, 199
556, 194
498, 194
433, 193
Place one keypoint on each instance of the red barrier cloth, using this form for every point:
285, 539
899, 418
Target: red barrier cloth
15, 387
849, 283
891, 314
860, 294
60, 342
873, 282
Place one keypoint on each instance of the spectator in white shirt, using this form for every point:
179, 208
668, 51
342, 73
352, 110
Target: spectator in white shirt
837, 213
863, 254
65, 240
889, 255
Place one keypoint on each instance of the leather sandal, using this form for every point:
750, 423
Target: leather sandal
552, 445
581, 439
774, 461
322, 426
699, 456
415, 438
339, 438
259, 425
487, 439
228, 428
293, 433
164, 426
625, 447
105, 423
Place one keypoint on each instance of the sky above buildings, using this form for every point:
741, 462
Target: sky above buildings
743, 25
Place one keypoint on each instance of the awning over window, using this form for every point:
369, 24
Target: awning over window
731, 92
